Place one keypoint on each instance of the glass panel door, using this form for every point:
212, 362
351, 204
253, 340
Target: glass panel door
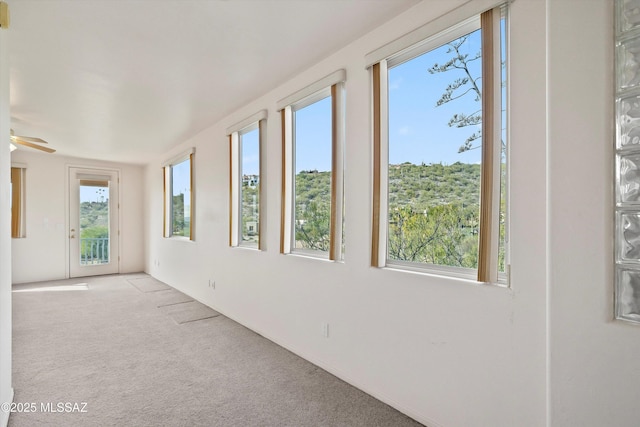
93, 222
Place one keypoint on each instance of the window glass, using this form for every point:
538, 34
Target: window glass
250, 187
181, 199
94, 222
503, 150
435, 118
312, 181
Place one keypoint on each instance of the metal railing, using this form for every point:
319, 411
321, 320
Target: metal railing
94, 251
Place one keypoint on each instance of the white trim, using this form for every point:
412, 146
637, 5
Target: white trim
93, 177
168, 190
179, 158
325, 82
433, 27
236, 182
383, 229
287, 232
249, 121
338, 174
437, 40
4, 415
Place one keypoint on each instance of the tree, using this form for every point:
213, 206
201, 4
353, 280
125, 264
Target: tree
313, 225
460, 87
178, 215
442, 235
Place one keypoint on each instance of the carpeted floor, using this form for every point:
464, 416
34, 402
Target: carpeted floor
113, 352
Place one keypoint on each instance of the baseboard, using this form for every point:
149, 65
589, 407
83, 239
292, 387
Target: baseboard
4, 420
336, 372
381, 396
341, 375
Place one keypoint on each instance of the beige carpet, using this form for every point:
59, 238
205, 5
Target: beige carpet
148, 284
188, 312
170, 297
108, 345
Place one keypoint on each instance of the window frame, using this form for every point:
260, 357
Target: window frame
257, 121
167, 179
18, 201
408, 48
332, 86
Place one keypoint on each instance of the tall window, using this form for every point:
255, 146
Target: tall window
440, 153
178, 200
312, 218
17, 202
245, 181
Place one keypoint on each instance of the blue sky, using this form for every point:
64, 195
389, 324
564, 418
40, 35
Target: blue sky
418, 129
182, 183
250, 153
93, 194
313, 137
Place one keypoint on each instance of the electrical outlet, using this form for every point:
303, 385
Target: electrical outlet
212, 284
325, 329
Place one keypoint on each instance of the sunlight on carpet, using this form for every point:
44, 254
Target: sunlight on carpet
78, 287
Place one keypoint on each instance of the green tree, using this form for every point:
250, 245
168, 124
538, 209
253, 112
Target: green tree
442, 235
312, 225
178, 215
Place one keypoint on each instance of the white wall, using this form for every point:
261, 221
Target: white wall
594, 365
6, 392
447, 352
42, 255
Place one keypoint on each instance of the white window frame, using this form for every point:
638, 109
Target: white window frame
167, 178
433, 35
257, 121
329, 86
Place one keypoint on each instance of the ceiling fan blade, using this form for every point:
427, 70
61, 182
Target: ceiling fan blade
30, 139
32, 145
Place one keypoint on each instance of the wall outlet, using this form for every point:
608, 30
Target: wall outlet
325, 329
212, 284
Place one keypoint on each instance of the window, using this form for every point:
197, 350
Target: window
440, 159
18, 202
178, 196
245, 140
312, 182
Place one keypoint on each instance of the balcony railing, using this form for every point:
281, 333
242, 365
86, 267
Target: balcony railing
94, 251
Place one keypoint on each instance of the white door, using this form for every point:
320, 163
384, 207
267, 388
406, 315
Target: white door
93, 222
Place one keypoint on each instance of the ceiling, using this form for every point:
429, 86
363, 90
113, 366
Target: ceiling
120, 80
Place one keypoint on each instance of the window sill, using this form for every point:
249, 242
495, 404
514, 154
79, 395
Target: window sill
310, 254
179, 239
247, 247
467, 276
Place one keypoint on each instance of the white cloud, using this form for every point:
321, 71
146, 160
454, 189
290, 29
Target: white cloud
404, 130
395, 84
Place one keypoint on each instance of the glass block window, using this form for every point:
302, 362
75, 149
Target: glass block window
627, 102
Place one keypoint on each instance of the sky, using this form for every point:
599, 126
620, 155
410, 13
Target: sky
313, 137
93, 194
250, 153
418, 129
182, 183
